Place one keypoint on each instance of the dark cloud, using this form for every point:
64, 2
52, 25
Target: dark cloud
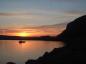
76, 12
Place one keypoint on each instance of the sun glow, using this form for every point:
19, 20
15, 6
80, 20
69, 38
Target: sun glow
23, 34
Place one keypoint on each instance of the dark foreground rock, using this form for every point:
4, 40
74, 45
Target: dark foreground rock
74, 50
11, 63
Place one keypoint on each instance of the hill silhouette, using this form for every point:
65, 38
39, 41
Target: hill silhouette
74, 29
74, 37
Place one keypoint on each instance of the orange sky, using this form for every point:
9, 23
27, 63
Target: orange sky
31, 31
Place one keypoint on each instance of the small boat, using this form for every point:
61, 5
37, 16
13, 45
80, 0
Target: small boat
21, 41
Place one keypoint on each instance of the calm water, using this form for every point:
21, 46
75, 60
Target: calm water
20, 53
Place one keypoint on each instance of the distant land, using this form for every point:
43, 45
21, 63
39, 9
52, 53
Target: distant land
46, 38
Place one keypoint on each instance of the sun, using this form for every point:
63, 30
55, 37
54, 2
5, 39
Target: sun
23, 34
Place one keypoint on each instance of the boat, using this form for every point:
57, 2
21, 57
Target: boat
21, 41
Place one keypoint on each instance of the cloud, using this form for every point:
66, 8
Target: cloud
13, 14
75, 13
37, 18
42, 13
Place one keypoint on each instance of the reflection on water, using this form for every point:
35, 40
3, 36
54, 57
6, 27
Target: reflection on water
19, 53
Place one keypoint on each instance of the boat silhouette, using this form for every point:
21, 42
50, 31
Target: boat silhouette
21, 41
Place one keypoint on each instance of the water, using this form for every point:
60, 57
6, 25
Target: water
11, 50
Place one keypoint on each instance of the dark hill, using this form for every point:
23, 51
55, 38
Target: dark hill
74, 51
74, 29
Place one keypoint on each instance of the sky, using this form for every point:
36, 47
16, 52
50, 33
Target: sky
16, 14
23, 13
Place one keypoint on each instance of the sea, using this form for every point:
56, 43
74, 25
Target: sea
13, 51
